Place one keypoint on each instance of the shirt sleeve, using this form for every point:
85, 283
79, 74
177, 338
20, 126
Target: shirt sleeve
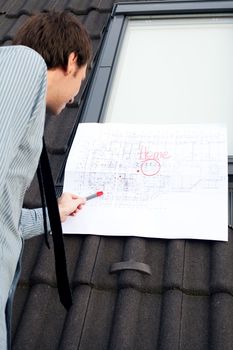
32, 222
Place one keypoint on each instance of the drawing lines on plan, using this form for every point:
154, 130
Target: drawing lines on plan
137, 168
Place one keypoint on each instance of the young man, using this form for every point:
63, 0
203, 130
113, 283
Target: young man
44, 70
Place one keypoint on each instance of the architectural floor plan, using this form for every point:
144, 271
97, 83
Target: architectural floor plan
159, 173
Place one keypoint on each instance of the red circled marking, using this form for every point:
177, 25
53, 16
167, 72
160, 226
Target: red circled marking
154, 167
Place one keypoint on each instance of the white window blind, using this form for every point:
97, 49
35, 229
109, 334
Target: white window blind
175, 71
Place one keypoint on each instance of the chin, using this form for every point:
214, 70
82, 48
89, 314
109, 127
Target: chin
53, 111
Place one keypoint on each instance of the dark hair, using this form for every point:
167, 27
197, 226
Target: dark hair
54, 35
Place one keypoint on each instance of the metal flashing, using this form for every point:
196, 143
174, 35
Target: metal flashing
171, 7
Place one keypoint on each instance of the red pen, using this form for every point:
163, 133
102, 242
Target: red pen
94, 195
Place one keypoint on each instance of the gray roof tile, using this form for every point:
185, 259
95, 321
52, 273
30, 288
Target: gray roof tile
221, 272
221, 321
195, 316
75, 321
197, 266
42, 319
84, 6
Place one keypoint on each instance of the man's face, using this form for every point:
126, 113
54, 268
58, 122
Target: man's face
65, 87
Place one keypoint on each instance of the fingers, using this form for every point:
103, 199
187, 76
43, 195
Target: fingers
79, 199
79, 202
69, 205
79, 206
72, 195
76, 211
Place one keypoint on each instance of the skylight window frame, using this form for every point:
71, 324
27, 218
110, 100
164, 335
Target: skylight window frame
95, 104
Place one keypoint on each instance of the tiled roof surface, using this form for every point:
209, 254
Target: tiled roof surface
186, 302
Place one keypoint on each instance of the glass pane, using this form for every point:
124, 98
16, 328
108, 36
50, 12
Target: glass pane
175, 71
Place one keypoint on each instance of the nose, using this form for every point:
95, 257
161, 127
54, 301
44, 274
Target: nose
71, 100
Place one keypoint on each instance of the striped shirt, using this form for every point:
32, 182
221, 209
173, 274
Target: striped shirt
23, 79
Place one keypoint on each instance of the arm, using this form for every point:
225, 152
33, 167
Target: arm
31, 220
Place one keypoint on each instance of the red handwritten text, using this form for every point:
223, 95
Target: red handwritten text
146, 154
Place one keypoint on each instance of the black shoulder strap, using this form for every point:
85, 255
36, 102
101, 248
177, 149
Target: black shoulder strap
48, 197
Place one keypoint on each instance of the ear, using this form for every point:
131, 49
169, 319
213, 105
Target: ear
72, 62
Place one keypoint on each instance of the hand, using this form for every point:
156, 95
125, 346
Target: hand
69, 204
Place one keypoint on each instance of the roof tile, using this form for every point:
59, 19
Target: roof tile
16, 24
125, 323
195, 316
173, 263
170, 320
42, 319
95, 23
221, 321
221, 272
75, 321
84, 6
98, 320
197, 266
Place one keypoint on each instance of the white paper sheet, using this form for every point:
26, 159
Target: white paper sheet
166, 181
